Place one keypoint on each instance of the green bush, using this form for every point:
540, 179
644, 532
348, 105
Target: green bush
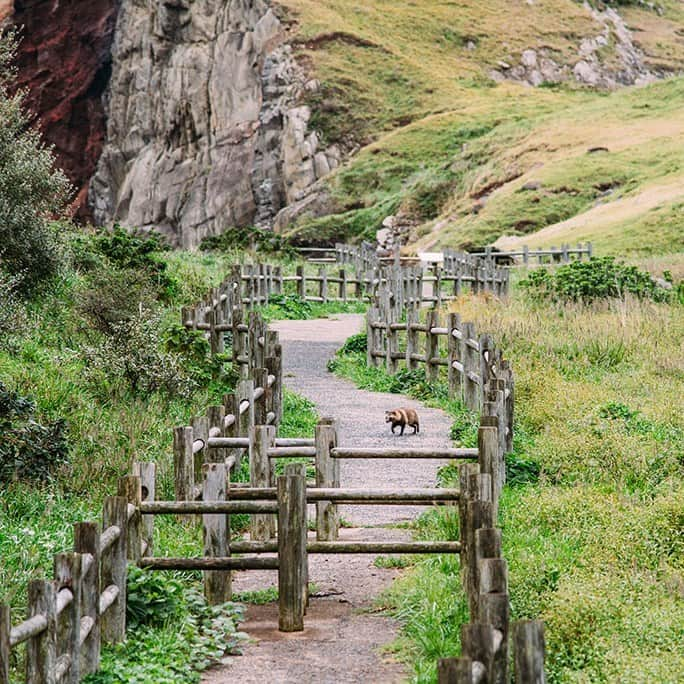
289, 307
356, 344
31, 188
152, 598
252, 238
28, 450
587, 281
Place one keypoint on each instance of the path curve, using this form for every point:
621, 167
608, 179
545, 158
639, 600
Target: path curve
340, 644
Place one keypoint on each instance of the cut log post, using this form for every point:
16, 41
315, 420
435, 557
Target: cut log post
466, 474
529, 647
292, 556
412, 343
183, 463
41, 650
113, 569
488, 449
200, 430
453, 353
87, 541
477, 642
342, 292
245, 392
432, 347
301, 282
456, 671
261, 405
261, 439
274, 366
327, 476
232, 407
471, 367
147, 472
68, 574
131, 490
215, 418
216, 528
323, 284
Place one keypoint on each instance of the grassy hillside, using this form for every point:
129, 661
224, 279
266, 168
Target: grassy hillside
592, 514
409, 82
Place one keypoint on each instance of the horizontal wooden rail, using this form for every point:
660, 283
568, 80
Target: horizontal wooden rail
209, 563
243, 442
188, 507
351, 547
292, 452
373, 452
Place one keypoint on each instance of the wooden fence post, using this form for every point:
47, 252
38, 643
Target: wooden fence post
261, 439
488, 452
231, 404
68, 573
215, 417
301, 283
41, 650
130, 489
200, 430
87, 541
261, 404
412, 339
113, 569
147, 472
245, 392
327, 476
456, 671
471, 366
477, 643
529, 646
453, 355
292, 556
274, 365
432, 347
216, 528
183, 465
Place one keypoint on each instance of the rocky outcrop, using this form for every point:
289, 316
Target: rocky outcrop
64, 65
205, 129
625, 66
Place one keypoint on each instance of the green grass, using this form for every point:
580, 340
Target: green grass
592, 513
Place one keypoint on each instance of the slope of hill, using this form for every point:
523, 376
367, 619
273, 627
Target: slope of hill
436, 106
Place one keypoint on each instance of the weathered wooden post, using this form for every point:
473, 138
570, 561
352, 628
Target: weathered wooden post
183, 465
274, 365
494, 602
432, 347
262, 403
245, 392
453, 355
68, 574
41, 650
301, 282
412, 344
87, 541
327, 476
471, 366
130, 489
323, 284
488, 450
529, 647
113, 569
292, 555
200, 431
477, 643
261, 439
216, 529
342, 293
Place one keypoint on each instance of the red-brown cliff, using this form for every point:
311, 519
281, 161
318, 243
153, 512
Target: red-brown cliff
64, 63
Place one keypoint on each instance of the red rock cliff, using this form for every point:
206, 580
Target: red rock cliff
64, 62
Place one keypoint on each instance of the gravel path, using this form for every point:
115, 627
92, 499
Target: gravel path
340, 643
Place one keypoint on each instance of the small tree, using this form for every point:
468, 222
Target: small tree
32, 190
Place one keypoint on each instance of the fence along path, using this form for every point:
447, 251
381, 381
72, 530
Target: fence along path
85, 603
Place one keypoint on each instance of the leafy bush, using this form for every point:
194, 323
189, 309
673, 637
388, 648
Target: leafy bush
31, 189
28, 449
598, 278
176, 640
13, 317
289, 307
111, 297
356, 344
133, 357
152, 598
252, 238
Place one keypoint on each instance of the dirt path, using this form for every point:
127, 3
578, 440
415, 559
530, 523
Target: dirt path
341, 643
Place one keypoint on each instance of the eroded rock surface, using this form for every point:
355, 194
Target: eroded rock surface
206, 129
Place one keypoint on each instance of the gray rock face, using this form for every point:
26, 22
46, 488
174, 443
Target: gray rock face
205, 129
538, 66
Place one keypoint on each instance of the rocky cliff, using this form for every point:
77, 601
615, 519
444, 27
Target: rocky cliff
205, 129
64, 64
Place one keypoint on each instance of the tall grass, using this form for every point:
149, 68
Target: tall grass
593, 514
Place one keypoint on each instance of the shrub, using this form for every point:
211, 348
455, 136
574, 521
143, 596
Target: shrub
252, 238
13, 318
28, 450
587, 281
290, 307
31, 189
133, 355
152, 598
356, 344
111, 297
